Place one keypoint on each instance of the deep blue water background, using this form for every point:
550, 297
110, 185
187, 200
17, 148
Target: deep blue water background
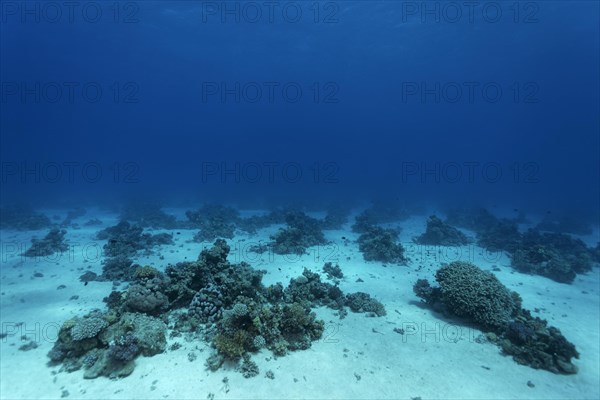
364, 146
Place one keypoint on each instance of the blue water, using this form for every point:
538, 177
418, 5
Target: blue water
420, 103
420, 106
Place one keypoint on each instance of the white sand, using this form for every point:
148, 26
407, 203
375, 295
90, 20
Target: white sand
358, 357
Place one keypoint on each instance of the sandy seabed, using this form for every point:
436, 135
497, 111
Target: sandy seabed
358, 357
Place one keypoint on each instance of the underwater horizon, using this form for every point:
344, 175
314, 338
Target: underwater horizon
300, 199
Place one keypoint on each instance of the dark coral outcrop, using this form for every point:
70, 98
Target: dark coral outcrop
439, 233
53, 242
479, 297
380, 244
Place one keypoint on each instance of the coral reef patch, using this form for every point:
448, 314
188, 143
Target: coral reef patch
300, 233
149, 215
124, 241
477, 296
22, 218
209, 299
557, 256
53, 242
439, 233
380, 244
554, 255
